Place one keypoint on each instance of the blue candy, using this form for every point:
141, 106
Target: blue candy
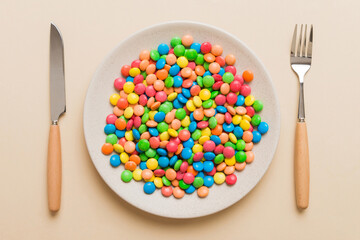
256, 137
161, 152
221, 109
163, 162
154, 132
149, 187
163, 49
192, 119
136, 134
178, 81
177, 104
228, 127
207, 73
129, 79
109, 129
115, 160
200, 174
159, 117
173, 160
208, 166
215, 139
208, 181
209, 156
182, 98
189, 143
186, 92
221, 72
174, 70
190, 189
198, 166
240, 100
186, 153
196, 47
238, 132
160, 64
143, 165
263, 127
192, 127
120, 133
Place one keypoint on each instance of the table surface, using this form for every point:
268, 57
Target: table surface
89, 208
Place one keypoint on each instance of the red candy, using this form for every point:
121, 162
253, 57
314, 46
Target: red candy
231, 98
135, 63
184, 135
171, 146
209, 146
235, 86
250, 111
198, 156
119, 83
205, 47
245, 90
231, 69
111, 118
220, 100
125, 70
188, 178
228, 152
231, 179
166, 191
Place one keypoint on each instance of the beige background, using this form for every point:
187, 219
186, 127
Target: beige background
90, 210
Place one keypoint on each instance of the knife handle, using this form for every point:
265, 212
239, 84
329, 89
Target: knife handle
54, 169
302, 173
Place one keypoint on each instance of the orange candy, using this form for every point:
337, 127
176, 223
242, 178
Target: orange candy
144, 55
135, 158
129, 147
230, 59
214, 67
187, 40
178, 192
159, 85
191, 170
151, 68
249, 156
209, 57
171, 59
216, 50
248, 76
143, 65
240, 166
247, 136
199, 70
162, 74
130, 166
203, 191
107, 148
198, 114
186, 72
120, 124
170, 174
217, 130
150, 79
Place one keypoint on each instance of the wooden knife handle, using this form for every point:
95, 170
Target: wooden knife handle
302, 173
54, 169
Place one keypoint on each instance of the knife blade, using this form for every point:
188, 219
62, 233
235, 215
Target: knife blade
57, 108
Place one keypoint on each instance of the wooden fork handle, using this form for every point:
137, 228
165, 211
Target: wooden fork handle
54, 169
302, 173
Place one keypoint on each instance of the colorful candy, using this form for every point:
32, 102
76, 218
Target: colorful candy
183, 119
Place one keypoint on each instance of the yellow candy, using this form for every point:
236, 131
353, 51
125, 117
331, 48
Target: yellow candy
118, 148
190, 105
172, 132
129, 136
151, 179
185, 122
245, 125
114, 99
197, 148
133, 98
203, 139
152, 114
124, 157
197, 101
172, 96
246, 117
129, 87
236, 119
204, 94
232, 138
182, 61
134, 72
145, 83
230, 161
249, 100
214, 105
219, 178
152, 163
165, 136
137, 174
158, 182
206, 132
129, 111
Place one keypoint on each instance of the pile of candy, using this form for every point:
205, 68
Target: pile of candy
183, 119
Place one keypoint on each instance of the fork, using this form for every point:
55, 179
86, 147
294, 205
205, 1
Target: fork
300, 60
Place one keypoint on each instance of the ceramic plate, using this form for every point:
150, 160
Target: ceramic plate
97, 107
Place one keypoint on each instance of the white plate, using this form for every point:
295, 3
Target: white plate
97, 107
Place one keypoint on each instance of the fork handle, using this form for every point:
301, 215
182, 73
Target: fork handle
302, 173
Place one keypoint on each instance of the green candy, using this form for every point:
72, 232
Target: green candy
179, 50
145, 118
175, 41
144, 74
219, 158
157, 157
258, 105
230, 144
144, 145
165, 108
212, 122
154, 55
111, 138
199, 59
191, 54
208, 103
163, 57
228, 77
214, 94
206, 66
205, 118
150, 153
126, 176
198, 182
183, 185
143, 157
142, 128
199, 81
162, 127
240, 145
255, 120
196, 134
177, 165
169, 82
180, 113
165, 181
123, 117
240, 156
208, 81
147, 110
191, 159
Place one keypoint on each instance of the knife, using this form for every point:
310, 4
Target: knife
58, 107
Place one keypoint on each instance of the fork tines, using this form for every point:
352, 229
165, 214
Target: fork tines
302, 46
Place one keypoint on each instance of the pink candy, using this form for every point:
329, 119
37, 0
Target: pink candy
228, 152
119, 83
231, 98
209, 146
188, 178
111, 118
